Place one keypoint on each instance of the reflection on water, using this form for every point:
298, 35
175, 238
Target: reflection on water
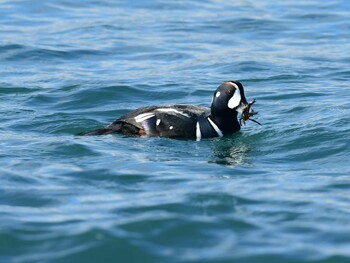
230, 150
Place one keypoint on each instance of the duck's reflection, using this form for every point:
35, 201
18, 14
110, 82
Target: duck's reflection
231, 150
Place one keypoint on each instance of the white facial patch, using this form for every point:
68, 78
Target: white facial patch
158, 122
236, 98
144, 116
217, 94
171, 127
174, 111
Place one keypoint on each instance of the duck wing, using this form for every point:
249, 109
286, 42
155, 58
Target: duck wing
165, 121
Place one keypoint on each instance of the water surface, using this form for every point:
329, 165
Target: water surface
272, 193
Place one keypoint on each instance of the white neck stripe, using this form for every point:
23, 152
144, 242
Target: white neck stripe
198, 132
216, 128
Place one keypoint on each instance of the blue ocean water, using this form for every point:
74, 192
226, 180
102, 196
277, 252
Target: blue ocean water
272, 193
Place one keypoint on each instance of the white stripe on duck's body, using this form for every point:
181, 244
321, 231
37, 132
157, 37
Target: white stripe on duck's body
185, 121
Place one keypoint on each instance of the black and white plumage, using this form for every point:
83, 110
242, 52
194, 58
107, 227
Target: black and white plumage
185, 121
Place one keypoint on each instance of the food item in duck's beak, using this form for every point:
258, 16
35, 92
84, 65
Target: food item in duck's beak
247, 113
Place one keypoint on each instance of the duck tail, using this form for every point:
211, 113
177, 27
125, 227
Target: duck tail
101, 131
113, 128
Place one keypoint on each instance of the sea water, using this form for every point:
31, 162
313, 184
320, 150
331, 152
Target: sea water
273, 193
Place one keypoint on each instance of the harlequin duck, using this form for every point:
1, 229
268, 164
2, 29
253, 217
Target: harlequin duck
185, 121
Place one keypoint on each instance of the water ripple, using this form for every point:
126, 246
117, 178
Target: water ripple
271, 193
